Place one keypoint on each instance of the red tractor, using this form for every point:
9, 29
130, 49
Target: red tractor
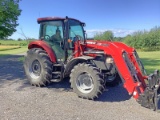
63, 51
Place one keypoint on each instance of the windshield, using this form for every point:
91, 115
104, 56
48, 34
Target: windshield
76, 31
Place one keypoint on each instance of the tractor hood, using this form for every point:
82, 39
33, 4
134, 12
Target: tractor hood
113, 46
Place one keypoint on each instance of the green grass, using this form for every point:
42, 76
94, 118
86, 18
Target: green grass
14, 51
151, 60
4, 48
14, 42
21, 59
7, 45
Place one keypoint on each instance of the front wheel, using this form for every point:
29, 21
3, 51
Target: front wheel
112, 80
38, 67
86, 81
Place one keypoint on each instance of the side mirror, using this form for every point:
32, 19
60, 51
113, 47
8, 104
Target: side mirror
85, 34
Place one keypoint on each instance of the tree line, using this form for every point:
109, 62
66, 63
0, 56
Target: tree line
144, 40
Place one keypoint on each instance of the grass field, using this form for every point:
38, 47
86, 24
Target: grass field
5, 47
14, 42
151, 60
9, 47
14, 51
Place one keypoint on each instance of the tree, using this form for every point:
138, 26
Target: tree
107, 35
9, 12
144, 40
19, 39
118, 39
98, 36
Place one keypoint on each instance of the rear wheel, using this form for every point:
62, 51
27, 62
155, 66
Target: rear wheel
37, 66
86, 81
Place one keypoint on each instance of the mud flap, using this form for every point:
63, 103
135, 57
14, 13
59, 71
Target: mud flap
150, 98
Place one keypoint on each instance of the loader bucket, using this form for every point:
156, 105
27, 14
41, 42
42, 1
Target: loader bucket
150, 98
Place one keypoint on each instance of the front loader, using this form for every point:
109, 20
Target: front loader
62, 50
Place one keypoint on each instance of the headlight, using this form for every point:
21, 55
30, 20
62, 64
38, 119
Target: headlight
109, 60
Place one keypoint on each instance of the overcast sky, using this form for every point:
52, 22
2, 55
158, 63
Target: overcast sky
121, 16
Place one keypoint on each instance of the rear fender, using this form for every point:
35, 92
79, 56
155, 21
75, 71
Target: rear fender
44, 46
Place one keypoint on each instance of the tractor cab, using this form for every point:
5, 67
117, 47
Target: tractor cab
60, 34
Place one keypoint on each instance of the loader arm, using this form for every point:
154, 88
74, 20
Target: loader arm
126, 62
119, 55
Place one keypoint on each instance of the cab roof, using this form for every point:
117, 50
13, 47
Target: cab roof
44, 19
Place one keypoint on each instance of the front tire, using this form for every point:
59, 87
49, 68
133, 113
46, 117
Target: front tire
86, 81
113, 80
38, 67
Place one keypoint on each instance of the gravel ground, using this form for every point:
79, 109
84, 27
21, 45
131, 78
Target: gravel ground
20, 101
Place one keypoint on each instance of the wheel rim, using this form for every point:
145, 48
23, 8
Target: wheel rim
111, 78
84, 83
35, 69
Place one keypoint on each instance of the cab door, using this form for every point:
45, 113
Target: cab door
76, 33
52, 33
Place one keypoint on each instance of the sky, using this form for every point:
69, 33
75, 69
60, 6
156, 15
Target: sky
122, 17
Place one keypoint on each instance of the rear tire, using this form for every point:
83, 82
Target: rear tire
86, 81
38, 67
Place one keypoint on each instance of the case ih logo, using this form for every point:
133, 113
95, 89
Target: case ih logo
99, 44
91, 42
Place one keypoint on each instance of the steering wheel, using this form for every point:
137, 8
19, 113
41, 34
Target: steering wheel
79, 37
47, 37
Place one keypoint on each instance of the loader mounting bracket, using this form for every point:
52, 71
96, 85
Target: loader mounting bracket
151, 95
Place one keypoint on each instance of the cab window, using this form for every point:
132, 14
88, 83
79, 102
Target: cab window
75, 30
49, 29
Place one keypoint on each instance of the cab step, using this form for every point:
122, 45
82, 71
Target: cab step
55, 80
56, 72
57, 65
